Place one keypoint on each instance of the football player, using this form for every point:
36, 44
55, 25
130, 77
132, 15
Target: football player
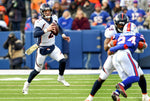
43, 28
119, 22
126, 66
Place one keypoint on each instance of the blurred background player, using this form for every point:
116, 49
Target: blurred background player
119, 22
47, 47
126, 66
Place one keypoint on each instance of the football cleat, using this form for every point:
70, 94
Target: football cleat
62, 80
115, 97
121, 89
89, 98
145, 97
25, 88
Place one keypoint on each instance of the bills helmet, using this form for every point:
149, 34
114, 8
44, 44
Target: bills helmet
45, 7
120, 20
130, 27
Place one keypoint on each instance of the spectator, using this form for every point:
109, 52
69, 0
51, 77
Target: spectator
88, 8
4, 3
64, 4
65, 22
15, 7
15, 51
4, 15
127, 3
57, 9
81, 21
73, 9
99, 17
51, 2
124, 9
147, 20
139, 22
29, 25
80, 2
35, 4
3, 26
94, 1
105, 7
135, 12
117, 9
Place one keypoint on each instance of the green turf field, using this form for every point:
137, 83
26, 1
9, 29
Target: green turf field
46, 88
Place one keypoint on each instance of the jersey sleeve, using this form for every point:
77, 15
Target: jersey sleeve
109, 32
55, 18
38, 23
118, 47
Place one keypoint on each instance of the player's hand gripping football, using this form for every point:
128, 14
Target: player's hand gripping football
51, 27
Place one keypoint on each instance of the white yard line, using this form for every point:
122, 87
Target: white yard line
60, 98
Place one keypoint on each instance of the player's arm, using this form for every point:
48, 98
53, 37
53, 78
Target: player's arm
106, 47
67, 38
114, 49
108, 43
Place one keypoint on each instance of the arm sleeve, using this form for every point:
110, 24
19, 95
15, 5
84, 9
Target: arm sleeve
38, 32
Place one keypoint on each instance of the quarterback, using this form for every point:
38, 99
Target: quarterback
44, 29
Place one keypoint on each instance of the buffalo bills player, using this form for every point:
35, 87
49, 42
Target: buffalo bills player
126, 66
119, 22
46, 41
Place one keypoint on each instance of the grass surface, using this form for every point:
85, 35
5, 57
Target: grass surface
46, 88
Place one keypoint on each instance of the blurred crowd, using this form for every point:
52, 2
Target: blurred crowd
73, 14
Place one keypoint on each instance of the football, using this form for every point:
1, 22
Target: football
56, 29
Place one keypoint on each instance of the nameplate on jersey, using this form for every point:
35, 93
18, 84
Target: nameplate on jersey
44, 50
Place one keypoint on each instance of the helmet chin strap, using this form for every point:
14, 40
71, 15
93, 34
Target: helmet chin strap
119, 30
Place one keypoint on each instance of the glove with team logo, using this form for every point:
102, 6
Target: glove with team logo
142, 45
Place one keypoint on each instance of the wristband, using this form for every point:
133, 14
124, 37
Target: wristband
45, 30
63, 35
109, 45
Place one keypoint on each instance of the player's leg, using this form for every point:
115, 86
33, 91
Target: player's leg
58, 56
107, 70
143, 85
127, 69
38, 67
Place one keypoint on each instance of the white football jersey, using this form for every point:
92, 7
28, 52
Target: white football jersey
48, 38
110, 31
